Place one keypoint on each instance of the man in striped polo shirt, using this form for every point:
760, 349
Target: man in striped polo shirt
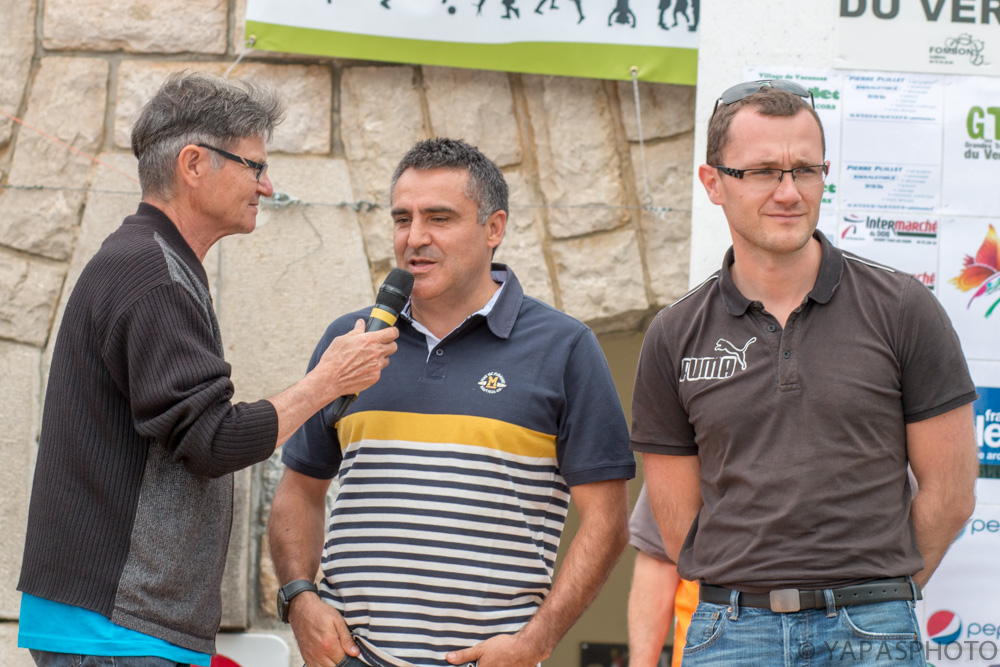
456, 470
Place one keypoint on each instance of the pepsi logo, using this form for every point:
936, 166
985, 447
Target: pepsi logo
944, 627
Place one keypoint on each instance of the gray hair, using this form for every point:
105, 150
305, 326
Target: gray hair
193, 108
486, 185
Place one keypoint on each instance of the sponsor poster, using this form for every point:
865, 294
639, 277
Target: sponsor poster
987, 409
970, 283
960, 618
937, 36
583, 38
892, 128
905, 241
971, 163
987, 416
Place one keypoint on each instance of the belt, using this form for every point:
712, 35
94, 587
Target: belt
792, 599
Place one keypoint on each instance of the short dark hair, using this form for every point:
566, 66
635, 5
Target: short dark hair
486, 185
193, 108
767, 101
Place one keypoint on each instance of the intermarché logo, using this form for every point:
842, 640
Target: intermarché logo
867, 652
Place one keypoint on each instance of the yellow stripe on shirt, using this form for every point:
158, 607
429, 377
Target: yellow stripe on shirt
457, 429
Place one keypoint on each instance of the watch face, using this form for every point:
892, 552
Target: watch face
289, 591
282, 606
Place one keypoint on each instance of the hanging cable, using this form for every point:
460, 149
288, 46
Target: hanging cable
648, 199
248, 47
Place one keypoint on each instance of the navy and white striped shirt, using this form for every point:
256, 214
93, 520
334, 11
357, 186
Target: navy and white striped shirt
454, 474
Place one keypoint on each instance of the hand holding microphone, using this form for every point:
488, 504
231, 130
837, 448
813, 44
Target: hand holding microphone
389, 302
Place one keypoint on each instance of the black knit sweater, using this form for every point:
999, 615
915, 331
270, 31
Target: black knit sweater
131, 506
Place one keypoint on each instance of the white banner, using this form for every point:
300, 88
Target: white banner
588, 38
939, 36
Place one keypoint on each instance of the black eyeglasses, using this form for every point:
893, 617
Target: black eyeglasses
748, 88
768, 179
258, 167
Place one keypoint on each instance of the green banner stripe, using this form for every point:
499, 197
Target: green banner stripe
600, 61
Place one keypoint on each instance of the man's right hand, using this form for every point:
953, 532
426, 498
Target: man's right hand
353, 362
321, 632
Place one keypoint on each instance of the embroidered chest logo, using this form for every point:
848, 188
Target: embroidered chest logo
719, 367
492, 383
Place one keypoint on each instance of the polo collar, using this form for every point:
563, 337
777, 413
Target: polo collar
831, 269
501, 319
502, 315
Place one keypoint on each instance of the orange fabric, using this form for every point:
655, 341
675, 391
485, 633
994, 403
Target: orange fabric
685, 602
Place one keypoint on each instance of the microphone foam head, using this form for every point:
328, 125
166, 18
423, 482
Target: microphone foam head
395, 290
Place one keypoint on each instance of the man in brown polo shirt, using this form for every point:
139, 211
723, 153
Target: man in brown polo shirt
777, 406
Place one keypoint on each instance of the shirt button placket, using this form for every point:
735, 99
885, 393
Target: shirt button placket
435, 368
788, 373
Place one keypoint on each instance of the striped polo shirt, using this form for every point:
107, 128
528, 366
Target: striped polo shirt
454, 474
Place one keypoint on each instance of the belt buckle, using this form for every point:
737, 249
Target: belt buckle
785, 600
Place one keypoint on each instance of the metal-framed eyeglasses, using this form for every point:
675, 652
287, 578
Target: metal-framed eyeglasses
258, 167
768, 179
748, 88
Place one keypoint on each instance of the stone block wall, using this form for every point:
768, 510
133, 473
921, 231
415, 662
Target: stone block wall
74, 75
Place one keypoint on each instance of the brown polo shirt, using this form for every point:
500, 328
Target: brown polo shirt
800, 430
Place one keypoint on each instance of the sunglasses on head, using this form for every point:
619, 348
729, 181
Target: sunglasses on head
748, 88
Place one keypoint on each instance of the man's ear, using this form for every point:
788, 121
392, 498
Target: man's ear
193, 164
709, 177
496, 226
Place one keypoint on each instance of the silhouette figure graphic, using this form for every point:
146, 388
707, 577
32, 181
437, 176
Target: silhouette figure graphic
385, 3
508, 4
680, 9
552, 5
621, 14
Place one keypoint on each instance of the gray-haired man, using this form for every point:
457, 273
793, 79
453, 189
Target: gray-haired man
132, 500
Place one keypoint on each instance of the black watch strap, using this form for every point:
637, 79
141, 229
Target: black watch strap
289, 591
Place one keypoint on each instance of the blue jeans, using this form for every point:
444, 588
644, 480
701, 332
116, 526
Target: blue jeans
883, 634
49, 659
350, 661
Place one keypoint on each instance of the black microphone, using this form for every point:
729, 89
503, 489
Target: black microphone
389, 302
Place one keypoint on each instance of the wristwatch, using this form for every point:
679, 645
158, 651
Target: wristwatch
289, 591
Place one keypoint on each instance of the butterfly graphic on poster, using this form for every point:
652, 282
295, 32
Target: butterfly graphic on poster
981, 272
